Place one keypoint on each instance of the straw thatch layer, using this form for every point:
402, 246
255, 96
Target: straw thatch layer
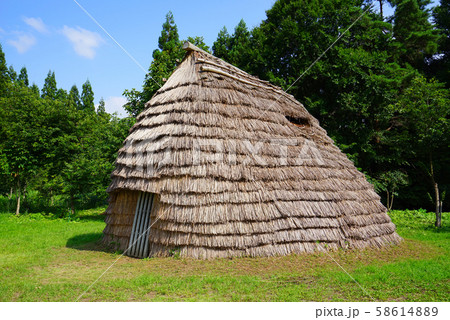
240, 168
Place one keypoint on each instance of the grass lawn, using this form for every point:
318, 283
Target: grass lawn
50, 259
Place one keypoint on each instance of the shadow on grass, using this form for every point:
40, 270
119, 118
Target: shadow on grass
89, 218
88, 242
443, 229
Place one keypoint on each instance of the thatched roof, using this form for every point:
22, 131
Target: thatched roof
212, 143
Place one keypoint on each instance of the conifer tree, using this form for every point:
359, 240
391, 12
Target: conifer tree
222, 44
101, 107
74, 98
165, 59
440, 65
414, 35
49, 90
23, 77
87, 97
12, 74
35, 89
4, 78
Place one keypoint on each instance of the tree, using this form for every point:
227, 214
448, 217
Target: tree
422, 129
348, 89
25, 137
414, 35
134, 104
23, 77
74, 98
51, 145
165, 59
440, 63
221, 46
87, 97
49, 90
390, 182
199, 42
235, 49
239, 53
12, 74
4, 78
62, 95
35, 89
101, 107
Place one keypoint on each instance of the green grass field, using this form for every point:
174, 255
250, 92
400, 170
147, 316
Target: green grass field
51, 259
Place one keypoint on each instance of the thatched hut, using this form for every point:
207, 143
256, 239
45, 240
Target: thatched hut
222, 164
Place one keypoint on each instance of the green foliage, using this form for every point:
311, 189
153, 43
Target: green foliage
23, 77
349, 88
423, 113
55, 151
4, 79
420, 130
12, 74
62, 95
134, 104
235, 49
175, 253
101, 107
415, 38
390, 182
352, 88
165, 59
74, 100
49, 90
199, 42
440, 63
35, 89
87, 97
222, 44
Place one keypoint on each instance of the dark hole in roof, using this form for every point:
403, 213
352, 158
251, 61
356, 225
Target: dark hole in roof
299, 122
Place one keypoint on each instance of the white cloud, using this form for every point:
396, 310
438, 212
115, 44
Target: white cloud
114, 104
84, 41
23, 43
36, 23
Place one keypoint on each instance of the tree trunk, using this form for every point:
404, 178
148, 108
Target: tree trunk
381, 8
436, 195
18, 197
438, 206
25, 195
8, 204
72, 205
387, 199
392, 201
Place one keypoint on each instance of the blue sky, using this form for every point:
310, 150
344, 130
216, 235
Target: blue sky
57, 35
